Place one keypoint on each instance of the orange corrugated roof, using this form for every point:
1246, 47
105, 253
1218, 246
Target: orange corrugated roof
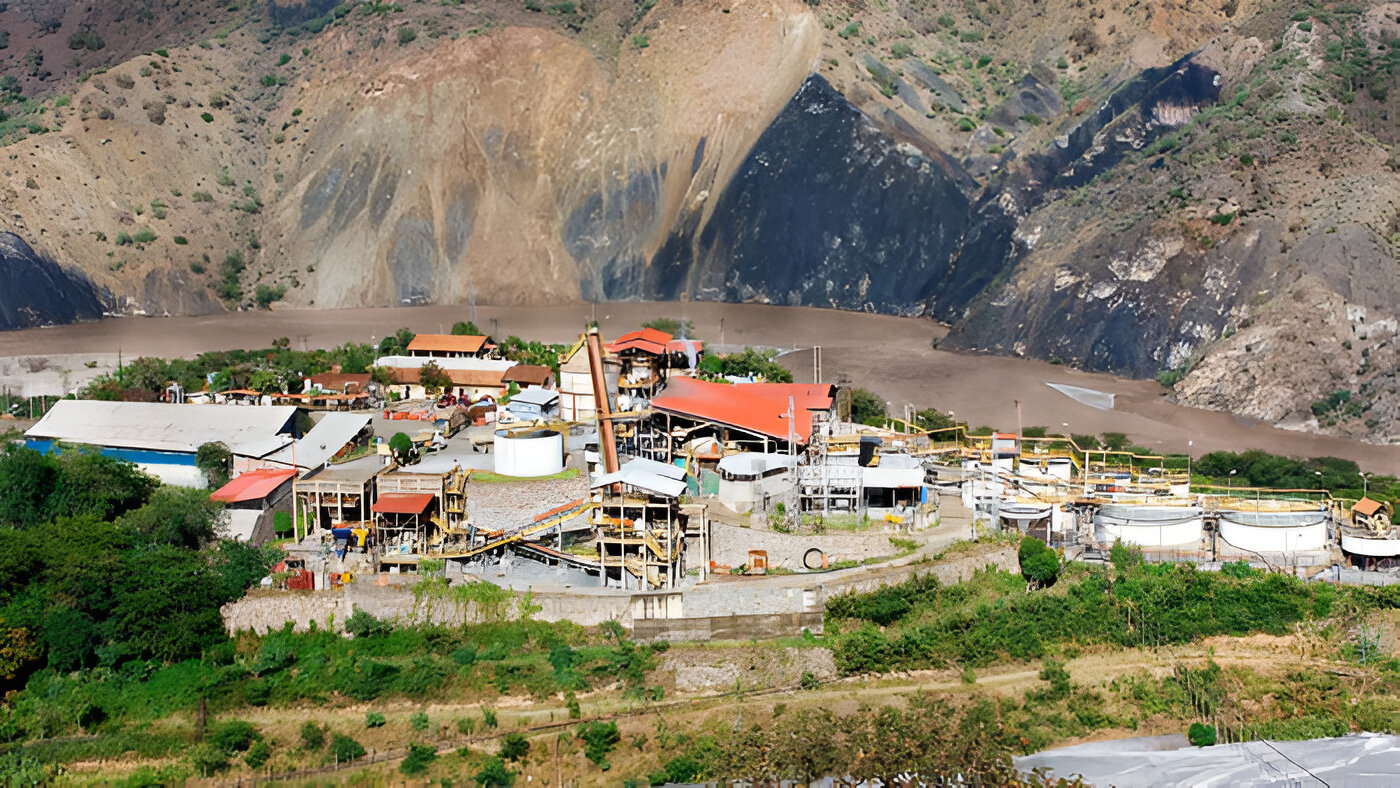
446, 343
1006, 436
402, 503
252, 485
760, 408
459, 377
1366, 507
532, 374
648, 340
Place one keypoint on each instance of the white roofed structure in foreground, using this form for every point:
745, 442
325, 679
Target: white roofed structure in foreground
324, 441
247, 430
650, 475
1359, 759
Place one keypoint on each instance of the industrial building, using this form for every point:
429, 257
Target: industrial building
162, 439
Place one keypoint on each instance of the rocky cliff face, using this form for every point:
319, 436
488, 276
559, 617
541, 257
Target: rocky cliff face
1118, 187
35, 291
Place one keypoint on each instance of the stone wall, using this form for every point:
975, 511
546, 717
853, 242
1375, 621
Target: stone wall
732, 544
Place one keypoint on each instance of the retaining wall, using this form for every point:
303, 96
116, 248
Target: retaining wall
732, 543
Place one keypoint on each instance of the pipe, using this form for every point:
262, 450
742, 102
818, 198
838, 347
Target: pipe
607, 442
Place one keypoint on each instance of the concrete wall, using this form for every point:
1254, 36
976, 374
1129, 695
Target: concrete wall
732, 544
264, 610
752, 627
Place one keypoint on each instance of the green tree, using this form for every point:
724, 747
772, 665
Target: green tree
933, 419
465, 328
265, 382
216, 461
494, 774
313, 737
514, 747
420, 757
27, 483
402, 446
434, 379
1039, 564
1200, 734
346, 749
177, 516
866, 407
599, 739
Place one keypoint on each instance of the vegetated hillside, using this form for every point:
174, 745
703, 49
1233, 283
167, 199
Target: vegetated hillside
1127, 187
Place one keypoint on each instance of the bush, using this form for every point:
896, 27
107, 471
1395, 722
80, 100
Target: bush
599, 739
901, 49
206, 117
234, 736
1039, 564
144, 235
809, 680
418, 721
466, 725
258, 754
420, 757
488, 718
494, 774
374, 720
180, 240
514, 747
346, 749
312, 736
1200, 734
407, 35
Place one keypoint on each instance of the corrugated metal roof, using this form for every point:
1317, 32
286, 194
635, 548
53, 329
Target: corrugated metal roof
446, 343
1366, 507
535, 396
648, 340
247, 430
252, 485
529, 374
402, 503
414, 362
324, 441
760, 408
649, 475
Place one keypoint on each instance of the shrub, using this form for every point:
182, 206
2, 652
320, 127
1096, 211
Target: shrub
420, 757
258, 754
144, 235
202, 197
466, 725
269, 80
374, 720
966, 124
1124, 556
407, 35
494, 774
488, 718
312, 736
640, 41
902, 49
123, 239
265, 295
346, 749
599, 739
1200, 734
206, 117
809, 680
234, 736
1169, 377
418, 721
514, 747
1039, 564
180, 240
284, 59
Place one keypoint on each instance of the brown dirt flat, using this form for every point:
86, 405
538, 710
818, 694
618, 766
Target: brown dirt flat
890, 355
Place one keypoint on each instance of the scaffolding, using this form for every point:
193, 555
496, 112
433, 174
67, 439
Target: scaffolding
420, 515
641, 535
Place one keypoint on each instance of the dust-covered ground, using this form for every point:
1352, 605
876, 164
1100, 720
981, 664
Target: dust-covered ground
893, 356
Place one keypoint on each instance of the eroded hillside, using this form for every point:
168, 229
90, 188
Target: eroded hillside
1202, 190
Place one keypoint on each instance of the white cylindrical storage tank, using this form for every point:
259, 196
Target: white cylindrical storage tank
1274, 532
529, 453
1355, 542
1148, 526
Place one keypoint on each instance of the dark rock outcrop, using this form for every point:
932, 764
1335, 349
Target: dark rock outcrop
36, 291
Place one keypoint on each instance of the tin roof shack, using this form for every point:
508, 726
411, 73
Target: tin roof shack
530, 376
336, 435
336, 382
421, 512
647, 358
338, 496
534, 404
251, 499
760, 417
161, 438
449, 346
638, 525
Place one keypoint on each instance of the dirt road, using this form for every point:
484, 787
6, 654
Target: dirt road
892, 356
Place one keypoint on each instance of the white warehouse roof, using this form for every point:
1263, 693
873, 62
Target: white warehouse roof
535, 396
247, 430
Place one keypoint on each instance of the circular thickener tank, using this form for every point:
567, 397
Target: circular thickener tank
529, 453
1274, 532
1146, 525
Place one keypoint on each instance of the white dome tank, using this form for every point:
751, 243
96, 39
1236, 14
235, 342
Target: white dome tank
529, 453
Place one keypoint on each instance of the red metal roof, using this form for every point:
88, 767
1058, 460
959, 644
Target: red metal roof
682, 345
252, 485
446, 343
647, 340
403, 503
760, 408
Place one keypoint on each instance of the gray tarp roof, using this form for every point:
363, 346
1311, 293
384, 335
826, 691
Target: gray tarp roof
324, 441
247, 430
535, 396
650, 475
1362, 759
